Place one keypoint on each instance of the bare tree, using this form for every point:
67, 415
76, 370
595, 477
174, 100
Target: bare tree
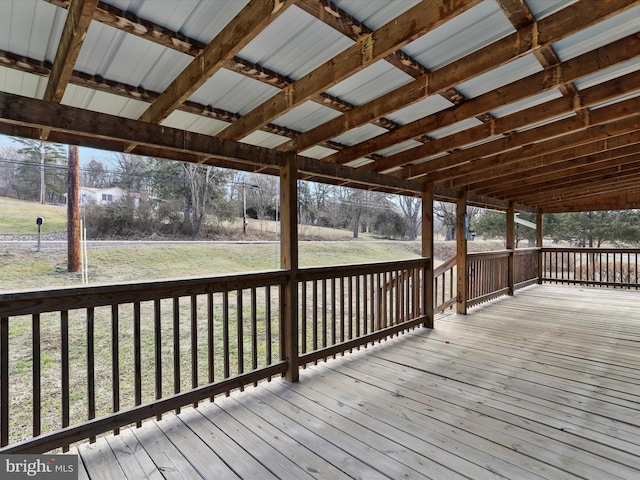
411, 207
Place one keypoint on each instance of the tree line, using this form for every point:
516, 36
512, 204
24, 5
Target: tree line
192, 199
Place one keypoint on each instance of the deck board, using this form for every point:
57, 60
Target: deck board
545, 384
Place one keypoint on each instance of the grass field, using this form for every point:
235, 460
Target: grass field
18, 217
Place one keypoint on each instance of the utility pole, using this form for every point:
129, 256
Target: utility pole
244, 208
73, 209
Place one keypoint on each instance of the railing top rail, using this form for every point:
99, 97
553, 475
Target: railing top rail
68, 298
591, 250
336, 271
492, 254
448, 264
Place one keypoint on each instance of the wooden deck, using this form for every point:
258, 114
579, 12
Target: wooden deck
545, 384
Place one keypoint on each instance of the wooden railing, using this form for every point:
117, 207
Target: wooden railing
445, 285
345, 307
603, 267
488, 273
79, 362
107, 356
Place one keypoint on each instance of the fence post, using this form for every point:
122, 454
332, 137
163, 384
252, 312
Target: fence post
461, 252
511, 245
427, 252
289, 261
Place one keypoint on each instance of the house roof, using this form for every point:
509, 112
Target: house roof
534, 102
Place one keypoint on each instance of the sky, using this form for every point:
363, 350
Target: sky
86, 154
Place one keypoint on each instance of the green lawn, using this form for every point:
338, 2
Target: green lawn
18, 217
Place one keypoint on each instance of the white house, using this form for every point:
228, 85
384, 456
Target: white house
100, 196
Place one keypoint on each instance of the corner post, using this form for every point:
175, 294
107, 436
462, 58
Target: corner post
461, 252
539, 236
289, 261
427, 252
511, 245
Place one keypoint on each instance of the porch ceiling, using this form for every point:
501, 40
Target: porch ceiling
519, 101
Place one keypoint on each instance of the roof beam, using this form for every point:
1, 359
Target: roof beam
595, 140
527, 39
588, 192
621, 200
578, 104
244, 27
75, 30
563, 176
423, 17
557, 165
571, 70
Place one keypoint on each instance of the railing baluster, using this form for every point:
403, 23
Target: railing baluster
315, 315
358, 301
225, 334
365, 304
303, 319
115, 361
64, 369
157, 340
333, 311
194, 343
4, 381
176, 347
137, 356
91, 384
211, 365
341, 302
37, 374
267, 319
325, 332
254, 331
240, 331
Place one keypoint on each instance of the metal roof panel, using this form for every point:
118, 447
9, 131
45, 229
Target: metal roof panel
525, 103
295, 44
360, 134
454, 128
21, 83
97, 101
307, 116
515, 70
318, 152
423, 108
31, 28
233, 92
399, 147
470, 31
598, 35
264, 139
543, 8
369, 83
375, 13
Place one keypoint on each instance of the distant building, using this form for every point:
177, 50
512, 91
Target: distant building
104, 196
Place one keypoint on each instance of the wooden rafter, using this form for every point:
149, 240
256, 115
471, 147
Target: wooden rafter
547, 167
517, 12
630, 199
529, 38
75, 30
595, 140
583, 65
251, 20
369, 49
572, 131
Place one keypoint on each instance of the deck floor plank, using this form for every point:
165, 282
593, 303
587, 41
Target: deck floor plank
545, 384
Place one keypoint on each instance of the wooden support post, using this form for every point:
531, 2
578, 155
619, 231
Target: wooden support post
73, 210
289, 261
461, 252
511, 246
539, 234
427, 252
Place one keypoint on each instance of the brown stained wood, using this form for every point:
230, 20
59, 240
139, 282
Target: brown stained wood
492, 56
238, 33
367, 50
575, 130
73, 34
510, 244
289, 262
517, 12
603, 202
538, 156
546, 168
462, 282
580, 66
